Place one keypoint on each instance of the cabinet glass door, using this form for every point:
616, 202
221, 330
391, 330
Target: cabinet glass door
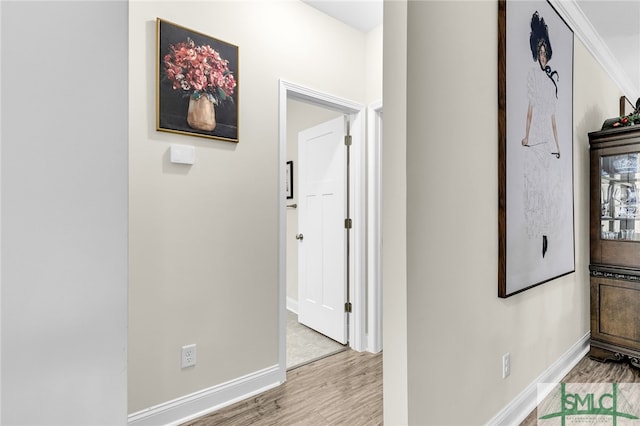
620, 216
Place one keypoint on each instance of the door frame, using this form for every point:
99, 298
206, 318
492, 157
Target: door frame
374, 226
357, 260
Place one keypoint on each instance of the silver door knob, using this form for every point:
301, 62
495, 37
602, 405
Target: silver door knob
299, 237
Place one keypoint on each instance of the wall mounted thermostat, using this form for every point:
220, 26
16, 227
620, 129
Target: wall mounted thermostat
183, 154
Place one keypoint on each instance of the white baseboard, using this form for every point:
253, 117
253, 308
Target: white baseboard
518, 409
200, 403
292, 305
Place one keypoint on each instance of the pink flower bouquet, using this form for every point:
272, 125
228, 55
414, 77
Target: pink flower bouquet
199, 71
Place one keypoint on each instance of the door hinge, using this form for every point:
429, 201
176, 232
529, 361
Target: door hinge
347, 140
347, 307
348, 223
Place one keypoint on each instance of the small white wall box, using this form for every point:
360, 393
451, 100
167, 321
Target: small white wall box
183, 154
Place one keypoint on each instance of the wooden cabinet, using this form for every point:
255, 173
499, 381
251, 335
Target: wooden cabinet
615, 244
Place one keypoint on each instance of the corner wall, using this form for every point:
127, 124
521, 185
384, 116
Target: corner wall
64, 213
458, 328
394, 213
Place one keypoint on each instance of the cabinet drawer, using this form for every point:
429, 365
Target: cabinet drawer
618, 253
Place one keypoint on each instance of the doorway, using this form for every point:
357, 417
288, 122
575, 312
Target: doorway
316, 235
362, 317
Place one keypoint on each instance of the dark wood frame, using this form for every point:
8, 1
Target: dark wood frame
559, 35
171, 106
289, 180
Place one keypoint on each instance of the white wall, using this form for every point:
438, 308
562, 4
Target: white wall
457, 327
374, 65
64, 213
203, 238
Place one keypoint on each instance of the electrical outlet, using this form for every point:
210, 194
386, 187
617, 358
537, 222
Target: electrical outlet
188, 356
506, 365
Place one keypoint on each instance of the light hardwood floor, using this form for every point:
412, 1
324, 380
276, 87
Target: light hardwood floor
343, 389
590, 371
346, 389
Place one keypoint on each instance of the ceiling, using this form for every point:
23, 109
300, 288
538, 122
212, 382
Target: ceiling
610, 29
617, 24
363, 15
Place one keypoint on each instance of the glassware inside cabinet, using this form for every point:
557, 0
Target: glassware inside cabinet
620, 213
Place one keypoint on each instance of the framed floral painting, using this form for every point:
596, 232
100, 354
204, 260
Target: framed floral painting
197, 83
535, 146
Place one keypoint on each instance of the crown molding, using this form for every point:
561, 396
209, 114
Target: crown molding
573, 15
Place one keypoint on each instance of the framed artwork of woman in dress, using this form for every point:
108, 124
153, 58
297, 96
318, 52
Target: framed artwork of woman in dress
535, 122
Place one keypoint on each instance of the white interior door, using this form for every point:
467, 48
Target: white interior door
321, 220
